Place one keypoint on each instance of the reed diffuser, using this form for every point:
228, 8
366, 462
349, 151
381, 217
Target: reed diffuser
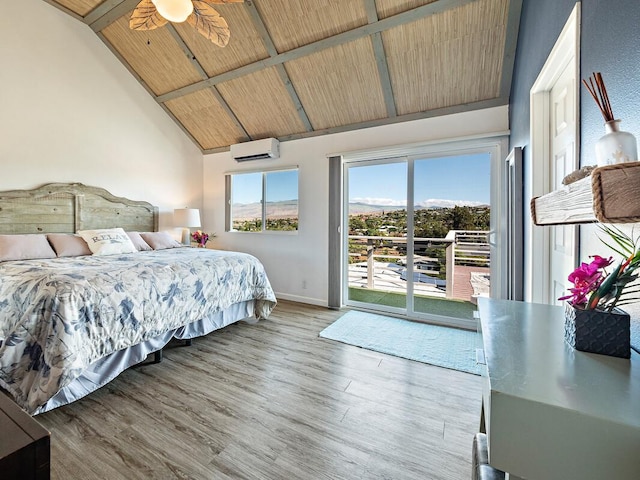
615, 146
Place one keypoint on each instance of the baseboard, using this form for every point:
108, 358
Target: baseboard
299, 299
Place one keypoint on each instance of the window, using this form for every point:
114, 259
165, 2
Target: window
263, 201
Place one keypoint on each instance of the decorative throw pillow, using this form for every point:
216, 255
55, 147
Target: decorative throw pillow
66, 245
160, 240
138, 242
25, 247
107, 241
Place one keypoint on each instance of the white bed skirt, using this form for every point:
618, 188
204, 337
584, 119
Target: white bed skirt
106, 369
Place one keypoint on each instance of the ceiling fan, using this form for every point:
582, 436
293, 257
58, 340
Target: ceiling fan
151, 14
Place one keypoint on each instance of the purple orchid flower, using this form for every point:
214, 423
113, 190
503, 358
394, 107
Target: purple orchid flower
586, 279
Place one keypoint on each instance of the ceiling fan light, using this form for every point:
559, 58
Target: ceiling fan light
174, 10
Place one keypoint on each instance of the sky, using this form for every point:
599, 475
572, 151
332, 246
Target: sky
459, 178
281, 185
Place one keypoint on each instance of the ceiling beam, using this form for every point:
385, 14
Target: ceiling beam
186, 50
113, 14
339, 39
100, 10
438, 112
282, 72
381, 60
510, 44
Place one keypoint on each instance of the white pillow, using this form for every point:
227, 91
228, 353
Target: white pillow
108, 241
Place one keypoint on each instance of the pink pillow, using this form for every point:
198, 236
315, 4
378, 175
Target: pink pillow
160, 240
67, 245
25, 247
138, 242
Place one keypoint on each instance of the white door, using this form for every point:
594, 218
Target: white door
562, 157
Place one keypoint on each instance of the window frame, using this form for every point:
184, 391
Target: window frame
496, 143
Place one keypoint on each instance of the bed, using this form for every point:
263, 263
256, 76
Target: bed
70, 324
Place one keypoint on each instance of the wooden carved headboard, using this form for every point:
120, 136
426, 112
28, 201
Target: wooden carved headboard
69, 207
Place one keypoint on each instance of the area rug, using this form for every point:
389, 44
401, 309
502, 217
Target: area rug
436, 345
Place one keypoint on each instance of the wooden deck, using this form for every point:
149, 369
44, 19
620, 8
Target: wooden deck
462, 285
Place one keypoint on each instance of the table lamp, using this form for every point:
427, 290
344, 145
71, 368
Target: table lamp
186, 218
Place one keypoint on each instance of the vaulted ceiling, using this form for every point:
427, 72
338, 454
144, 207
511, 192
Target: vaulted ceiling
298, 68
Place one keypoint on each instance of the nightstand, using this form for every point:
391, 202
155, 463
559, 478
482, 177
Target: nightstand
24, 444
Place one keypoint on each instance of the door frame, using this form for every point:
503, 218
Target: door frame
496, 146
565, 52
514, 225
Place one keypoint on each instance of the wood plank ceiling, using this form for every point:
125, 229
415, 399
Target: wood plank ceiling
298, 68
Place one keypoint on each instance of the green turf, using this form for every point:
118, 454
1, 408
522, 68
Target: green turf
422, 304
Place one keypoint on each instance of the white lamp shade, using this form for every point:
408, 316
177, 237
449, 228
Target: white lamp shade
174, 10
186, 217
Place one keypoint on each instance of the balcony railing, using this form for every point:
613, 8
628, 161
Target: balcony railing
380, 262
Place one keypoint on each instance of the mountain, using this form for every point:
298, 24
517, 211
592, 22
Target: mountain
442, 203
359, 208
251, 211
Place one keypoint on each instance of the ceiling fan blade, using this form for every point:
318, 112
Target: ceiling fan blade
220, 2
146, 17
209, 23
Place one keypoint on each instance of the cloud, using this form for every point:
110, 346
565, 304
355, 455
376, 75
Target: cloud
387, 202
443, 203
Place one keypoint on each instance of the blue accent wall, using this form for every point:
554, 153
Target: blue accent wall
610, 44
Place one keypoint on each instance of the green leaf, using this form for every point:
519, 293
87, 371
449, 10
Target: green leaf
613, 289
625, 242
604, 289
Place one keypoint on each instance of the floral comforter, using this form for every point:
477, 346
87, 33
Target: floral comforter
58, 316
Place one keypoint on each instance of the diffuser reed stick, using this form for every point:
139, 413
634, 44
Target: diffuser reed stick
598, 91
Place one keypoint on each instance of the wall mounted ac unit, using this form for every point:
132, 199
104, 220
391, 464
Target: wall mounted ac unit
256, 150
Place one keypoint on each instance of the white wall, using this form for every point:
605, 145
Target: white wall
71, 112
292, 259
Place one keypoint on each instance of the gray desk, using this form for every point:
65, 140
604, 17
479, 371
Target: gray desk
551, 412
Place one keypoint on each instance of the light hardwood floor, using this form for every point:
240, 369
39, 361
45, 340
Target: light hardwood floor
271, 401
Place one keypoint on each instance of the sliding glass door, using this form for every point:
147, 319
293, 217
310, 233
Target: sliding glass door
416, 241
377, 240
451, 223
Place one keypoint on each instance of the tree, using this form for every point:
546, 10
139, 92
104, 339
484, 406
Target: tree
356, 224
462, 218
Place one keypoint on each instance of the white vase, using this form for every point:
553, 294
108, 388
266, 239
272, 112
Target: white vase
615, 146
